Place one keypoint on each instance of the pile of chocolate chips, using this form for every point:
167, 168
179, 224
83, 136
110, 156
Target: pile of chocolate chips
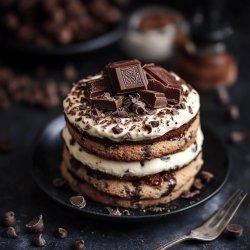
127, 86
37, 90
47, 23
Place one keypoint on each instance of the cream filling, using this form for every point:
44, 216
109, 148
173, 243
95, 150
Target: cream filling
101, 127
149, 167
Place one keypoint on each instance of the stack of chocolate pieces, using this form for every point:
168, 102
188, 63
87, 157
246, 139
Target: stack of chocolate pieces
132, 136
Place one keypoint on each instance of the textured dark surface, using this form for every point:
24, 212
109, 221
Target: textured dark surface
19, 193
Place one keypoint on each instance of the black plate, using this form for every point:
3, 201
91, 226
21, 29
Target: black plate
108, 38
47, 157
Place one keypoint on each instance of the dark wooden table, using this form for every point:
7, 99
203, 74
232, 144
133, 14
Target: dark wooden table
19, 193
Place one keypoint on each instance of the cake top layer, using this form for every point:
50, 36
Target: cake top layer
128, 101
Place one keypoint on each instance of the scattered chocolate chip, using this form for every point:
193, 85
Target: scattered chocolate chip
190, 110
117, 129
39, 240
61, 233
234, 230
6, 146
154, 124
234, 112
236, 137
206, 176
139, 108
79, 245
9, 232
189, 194
127, 76
114, 211
9, 218
78, 201
198, 184
59, 182
148, 127
36, 225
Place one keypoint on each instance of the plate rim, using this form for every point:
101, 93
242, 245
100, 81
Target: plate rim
126, 218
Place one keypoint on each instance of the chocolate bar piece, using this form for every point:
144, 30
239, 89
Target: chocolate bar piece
160, 74
97, 87
153, 99
105, 102
127, 76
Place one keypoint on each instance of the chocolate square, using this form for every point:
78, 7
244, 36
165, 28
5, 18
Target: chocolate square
127, 76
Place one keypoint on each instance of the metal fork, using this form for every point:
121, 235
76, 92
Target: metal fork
215, 224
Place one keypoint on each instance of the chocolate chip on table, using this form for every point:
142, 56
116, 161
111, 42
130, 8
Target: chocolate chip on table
36, 225
59, 182
9, 218
78, 201
189, 194
9, 232
233, 112
61, 233
39, 240
79, 245
206, 176
234, 230
114, 211
236, 137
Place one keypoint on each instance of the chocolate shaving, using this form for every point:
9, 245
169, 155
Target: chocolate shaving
117, 129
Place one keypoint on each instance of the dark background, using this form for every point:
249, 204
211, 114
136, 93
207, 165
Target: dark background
22, 123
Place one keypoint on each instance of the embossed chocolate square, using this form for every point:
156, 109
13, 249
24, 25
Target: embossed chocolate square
127, 76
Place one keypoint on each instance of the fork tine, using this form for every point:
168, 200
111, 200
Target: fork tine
225, 219
216, 214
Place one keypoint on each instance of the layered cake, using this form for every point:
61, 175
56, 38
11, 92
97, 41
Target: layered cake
132, 136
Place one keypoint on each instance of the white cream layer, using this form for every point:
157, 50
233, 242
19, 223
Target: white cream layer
102, 127
149, 167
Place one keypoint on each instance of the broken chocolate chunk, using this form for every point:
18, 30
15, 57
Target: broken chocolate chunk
139, 108
35, 225
114, 211
78, 201
107, 103
154, 99
127, 76
117, 129
97, 87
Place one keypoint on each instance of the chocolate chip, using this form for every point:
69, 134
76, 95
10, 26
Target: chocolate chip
9, 232
117, 129
198, 184
39, 240
189, 194
36, 225
58, 182
233, 112
154, 124
61, 233
79, 245
127, 76
148, 127
9, 219
236, 137
78, 201
234, 230
114, 211
206, 176
154, 99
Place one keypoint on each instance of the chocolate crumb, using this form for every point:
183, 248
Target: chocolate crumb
236, 137
148, 127
39, 241
78, 201
61, 233
198, 184
233, 112
9, 219
58, 182
206, 176
114, 211
36, 225
189, 194
117, 129
79, 245
234, 230
154, 124
9, 232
